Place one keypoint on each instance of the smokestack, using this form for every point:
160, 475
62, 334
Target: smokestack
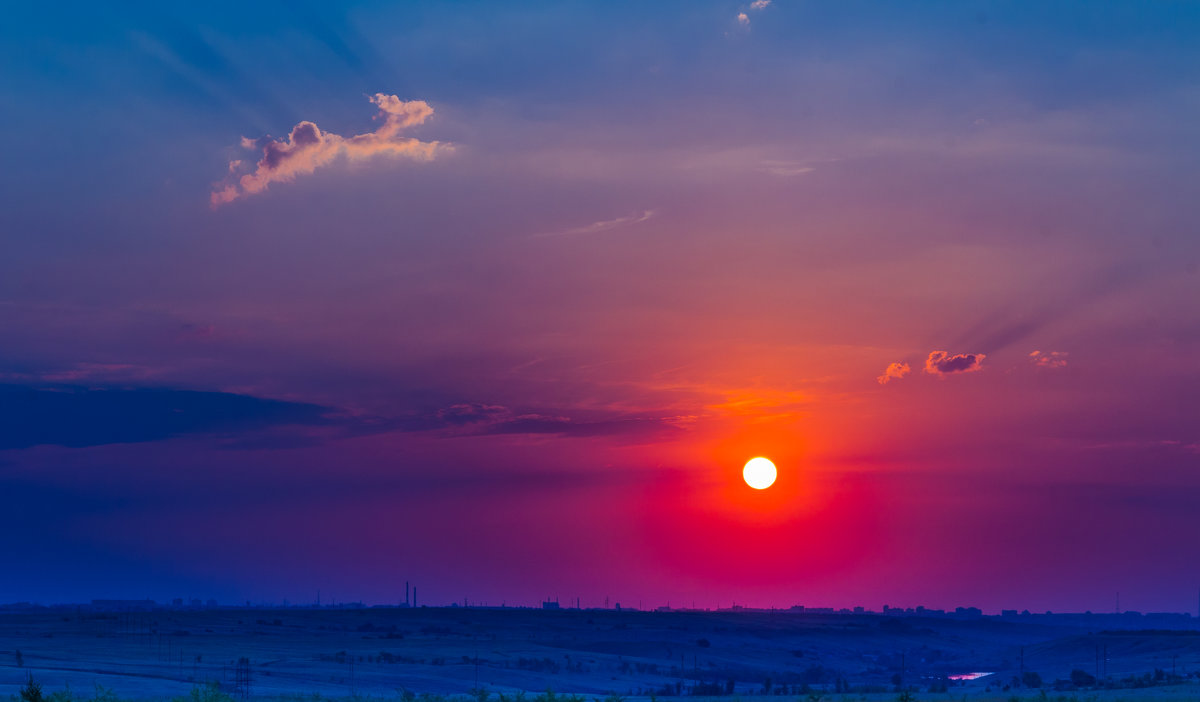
414, 604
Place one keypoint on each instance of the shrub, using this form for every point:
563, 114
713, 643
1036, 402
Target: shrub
103, 694
32, 692
205, 693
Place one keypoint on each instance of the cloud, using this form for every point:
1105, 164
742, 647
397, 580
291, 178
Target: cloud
1169, 444
894, 371
744, 19
76, 416
941, 363
473, 418
91, 372
472, 413
1049, 359
786, 168
566, 428
307, 148
602, 225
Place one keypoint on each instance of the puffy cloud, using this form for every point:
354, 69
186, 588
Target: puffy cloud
307, 148
1049, 359
743, 19
894, 371
942, 363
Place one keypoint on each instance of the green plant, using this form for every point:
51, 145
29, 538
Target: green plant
103, 694
210, 692
32, 692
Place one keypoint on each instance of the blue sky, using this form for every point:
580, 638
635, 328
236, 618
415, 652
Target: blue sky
599, 255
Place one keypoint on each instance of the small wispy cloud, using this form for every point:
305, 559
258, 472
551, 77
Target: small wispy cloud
478, 418
603, 225
786, 169
894, 371
98, 372
1167, 444
307, 148
1049, 359
759, 4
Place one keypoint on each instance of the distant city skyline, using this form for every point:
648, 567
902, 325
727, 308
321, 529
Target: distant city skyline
579, 603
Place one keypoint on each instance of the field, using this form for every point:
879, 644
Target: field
394, 653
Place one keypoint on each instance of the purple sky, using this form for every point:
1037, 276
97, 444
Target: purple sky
498, 299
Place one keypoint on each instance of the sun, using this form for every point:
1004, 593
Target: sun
759, 473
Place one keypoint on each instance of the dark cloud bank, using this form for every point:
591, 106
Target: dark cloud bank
76, 417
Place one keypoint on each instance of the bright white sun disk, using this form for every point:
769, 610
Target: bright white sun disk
759, 473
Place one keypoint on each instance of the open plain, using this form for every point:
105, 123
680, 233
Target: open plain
456, 650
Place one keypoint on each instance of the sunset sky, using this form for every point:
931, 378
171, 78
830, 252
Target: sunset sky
498, 298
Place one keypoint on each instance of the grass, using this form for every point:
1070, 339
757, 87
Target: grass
212, 692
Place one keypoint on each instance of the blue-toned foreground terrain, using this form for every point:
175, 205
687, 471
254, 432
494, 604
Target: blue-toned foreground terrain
390, 652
